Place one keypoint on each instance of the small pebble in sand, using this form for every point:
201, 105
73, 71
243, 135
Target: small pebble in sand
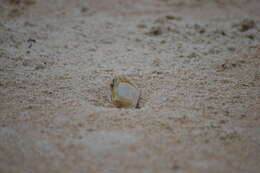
246, 24
231, 48
39, 67
172, 17
199, 28
155, 31
125, 94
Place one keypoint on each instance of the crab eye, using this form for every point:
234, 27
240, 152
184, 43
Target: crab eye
113, 83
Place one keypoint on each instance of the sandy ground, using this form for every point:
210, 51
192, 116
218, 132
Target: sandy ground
197, 63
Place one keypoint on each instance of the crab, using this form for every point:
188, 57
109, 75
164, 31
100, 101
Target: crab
125, 93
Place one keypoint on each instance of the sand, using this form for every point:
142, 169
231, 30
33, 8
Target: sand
196, 62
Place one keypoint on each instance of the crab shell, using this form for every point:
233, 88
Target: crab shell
124, 93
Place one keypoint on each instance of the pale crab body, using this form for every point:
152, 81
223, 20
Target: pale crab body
124, 93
